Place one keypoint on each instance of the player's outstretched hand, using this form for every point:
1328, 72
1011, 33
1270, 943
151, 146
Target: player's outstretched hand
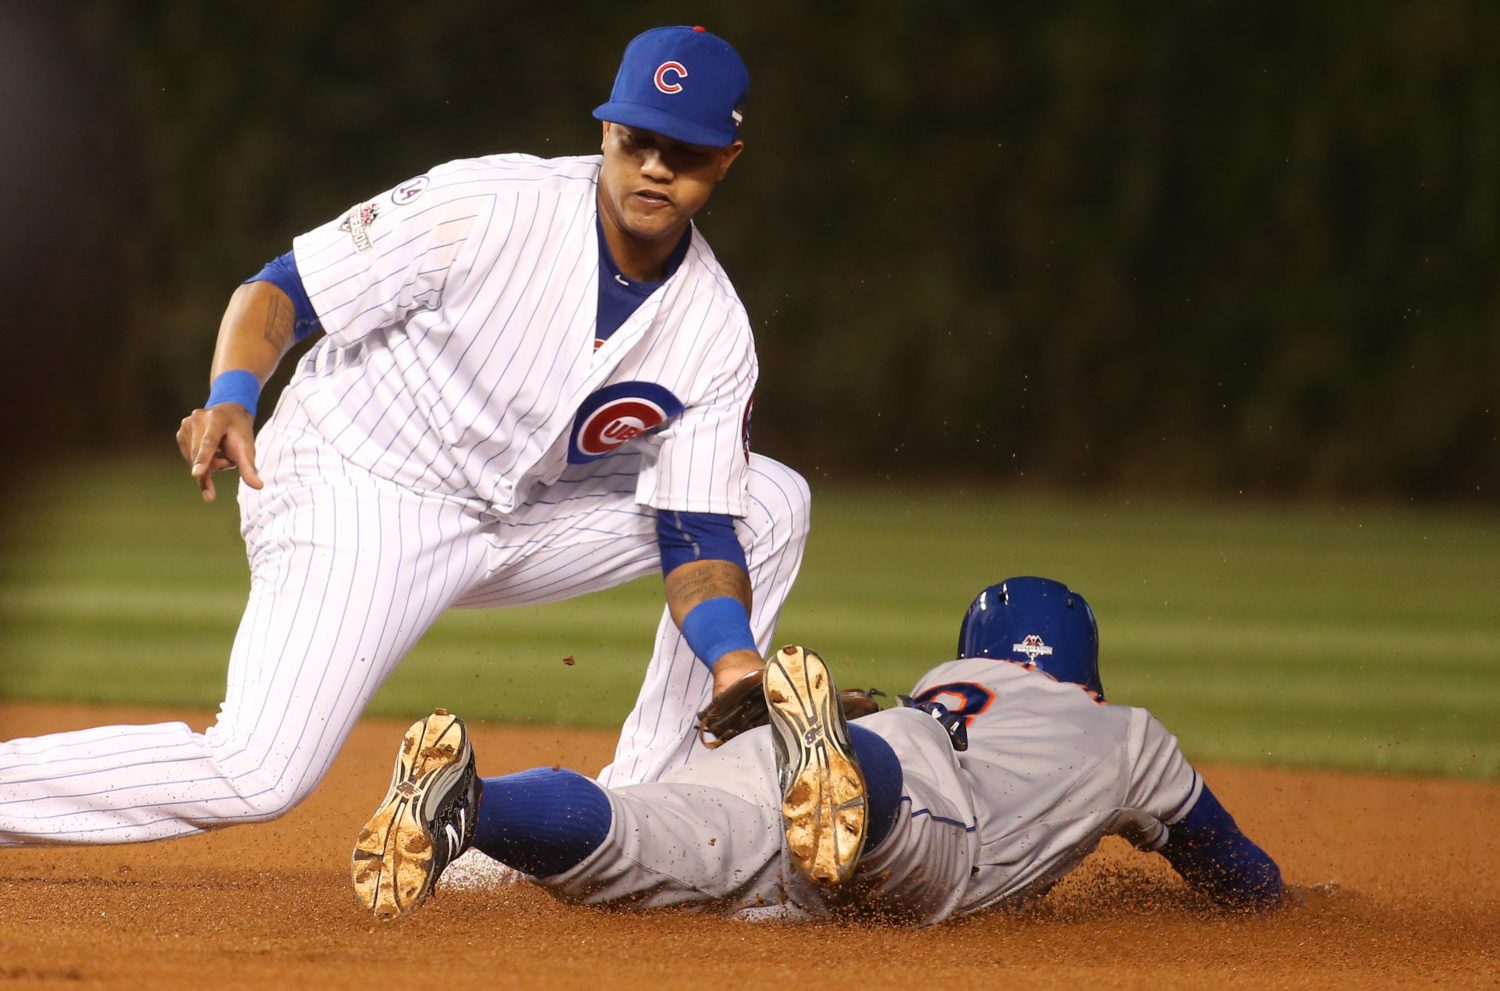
214, 439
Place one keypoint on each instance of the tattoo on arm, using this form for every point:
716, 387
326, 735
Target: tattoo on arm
278, 329
698, 581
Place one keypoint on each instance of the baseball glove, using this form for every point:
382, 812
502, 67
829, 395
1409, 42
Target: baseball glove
742, 706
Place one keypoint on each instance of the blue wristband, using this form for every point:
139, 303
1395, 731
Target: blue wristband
714, 627
234, 386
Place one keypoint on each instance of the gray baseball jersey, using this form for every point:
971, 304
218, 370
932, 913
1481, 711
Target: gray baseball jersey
1048, 773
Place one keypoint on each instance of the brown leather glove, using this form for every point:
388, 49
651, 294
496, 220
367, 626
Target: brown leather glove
742, 706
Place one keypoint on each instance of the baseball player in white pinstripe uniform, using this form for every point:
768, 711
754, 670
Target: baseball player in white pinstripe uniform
533, 380
999, 774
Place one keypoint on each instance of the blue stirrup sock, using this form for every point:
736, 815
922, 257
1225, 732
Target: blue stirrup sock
543, 821
882, 782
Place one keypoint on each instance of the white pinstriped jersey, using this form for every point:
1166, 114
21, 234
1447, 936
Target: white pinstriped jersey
458, 380
460, 309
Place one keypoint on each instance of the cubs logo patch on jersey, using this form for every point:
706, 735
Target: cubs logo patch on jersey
616, 415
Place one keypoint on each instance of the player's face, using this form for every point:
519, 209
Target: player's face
651, 185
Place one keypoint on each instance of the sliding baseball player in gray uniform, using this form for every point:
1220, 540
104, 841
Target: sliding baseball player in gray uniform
995, 778
532, 379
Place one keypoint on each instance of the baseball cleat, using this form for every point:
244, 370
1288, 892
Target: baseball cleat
425, 820
824, 808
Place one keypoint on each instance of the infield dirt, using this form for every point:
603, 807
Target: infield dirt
1400, 880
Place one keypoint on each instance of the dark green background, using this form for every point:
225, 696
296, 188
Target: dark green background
1097, 291
1213, 247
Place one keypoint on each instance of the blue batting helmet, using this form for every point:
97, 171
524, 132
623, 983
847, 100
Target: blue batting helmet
1036, 621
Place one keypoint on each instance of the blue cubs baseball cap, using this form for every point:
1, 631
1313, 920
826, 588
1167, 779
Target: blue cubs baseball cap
684, 82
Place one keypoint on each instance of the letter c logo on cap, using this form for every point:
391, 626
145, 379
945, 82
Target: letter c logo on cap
677, 69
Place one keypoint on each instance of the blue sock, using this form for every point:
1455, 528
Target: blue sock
882, 782
542, 821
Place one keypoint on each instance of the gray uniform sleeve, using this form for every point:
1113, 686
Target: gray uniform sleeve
1162, 785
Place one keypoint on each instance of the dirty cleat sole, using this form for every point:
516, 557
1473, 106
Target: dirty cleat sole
824, 806
424, 821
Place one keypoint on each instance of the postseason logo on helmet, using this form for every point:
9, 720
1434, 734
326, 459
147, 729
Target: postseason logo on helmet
1032, 646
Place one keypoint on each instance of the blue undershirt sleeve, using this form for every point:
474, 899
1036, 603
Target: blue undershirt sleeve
1207, 848
684, 537
282, 273
716, 626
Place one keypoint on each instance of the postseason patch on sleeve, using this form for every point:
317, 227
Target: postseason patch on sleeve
360, 218
357, 223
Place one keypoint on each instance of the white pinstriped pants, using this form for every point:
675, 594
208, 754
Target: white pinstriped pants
347, 572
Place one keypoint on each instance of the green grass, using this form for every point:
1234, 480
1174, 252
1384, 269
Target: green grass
1363, 637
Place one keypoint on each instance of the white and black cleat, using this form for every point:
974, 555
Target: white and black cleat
824, 805
426, 819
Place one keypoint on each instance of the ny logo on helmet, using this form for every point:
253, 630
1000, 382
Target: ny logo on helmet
1032, 647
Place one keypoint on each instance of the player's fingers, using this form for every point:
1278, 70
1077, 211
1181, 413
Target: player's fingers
208, 445
185, 437
238, 447
198, 435
245, 459
206, 486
